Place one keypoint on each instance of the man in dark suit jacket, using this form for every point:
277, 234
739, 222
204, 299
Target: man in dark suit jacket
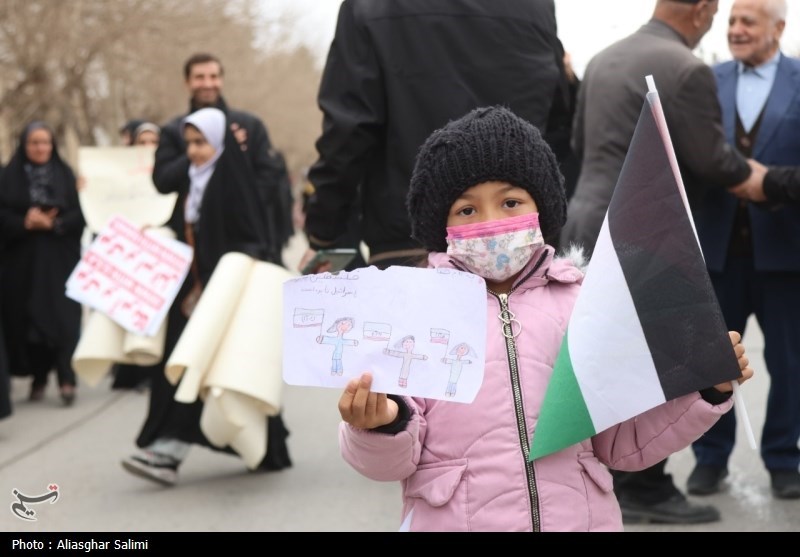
609, 103
753, 252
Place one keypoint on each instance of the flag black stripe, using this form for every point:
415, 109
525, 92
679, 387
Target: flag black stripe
665, 271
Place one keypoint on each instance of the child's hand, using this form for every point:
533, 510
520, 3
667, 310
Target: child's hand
364, 409
744, 363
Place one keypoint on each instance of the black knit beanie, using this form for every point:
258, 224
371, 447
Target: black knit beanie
487, 144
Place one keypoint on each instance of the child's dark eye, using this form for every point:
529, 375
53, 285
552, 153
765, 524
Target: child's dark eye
467, 212
511, 203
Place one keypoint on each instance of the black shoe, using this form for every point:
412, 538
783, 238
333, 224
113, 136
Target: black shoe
705, 480
68, 394
675, 510
37, 393
785, 484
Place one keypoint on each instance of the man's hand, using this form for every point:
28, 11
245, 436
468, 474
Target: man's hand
752, 189
364, 409
744, 363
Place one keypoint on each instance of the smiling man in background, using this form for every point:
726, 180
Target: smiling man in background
753, 252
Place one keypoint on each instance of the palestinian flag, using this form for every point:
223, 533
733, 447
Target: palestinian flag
646, 327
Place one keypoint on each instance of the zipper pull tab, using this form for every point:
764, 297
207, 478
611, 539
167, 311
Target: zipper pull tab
508, 318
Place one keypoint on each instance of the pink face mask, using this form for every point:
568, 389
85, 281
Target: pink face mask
497, 249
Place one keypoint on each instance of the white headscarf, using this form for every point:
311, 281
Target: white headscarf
211, 123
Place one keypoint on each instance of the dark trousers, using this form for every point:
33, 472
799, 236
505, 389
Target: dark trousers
43, 358
646, 487
774, 298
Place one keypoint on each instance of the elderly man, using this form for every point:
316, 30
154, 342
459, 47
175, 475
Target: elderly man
753, 252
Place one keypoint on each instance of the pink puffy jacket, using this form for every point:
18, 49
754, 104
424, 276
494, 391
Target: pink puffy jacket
464, 467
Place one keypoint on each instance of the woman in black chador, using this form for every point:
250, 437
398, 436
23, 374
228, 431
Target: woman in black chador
40, 244
5, 376
216, 215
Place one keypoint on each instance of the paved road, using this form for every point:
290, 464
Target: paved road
79, 449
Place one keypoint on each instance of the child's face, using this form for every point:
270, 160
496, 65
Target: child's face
490, 201
198, 149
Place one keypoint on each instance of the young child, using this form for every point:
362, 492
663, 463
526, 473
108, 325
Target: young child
485, 191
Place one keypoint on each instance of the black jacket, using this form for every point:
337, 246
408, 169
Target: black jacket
782, 185
35, 264
396, 71
171, 169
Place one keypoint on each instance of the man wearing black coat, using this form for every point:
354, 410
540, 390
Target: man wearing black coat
396, 71
203, 74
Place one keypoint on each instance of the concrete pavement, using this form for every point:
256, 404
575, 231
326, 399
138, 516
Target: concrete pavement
80, 448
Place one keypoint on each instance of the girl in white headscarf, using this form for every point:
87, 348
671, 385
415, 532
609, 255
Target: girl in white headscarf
220, 215
204, 132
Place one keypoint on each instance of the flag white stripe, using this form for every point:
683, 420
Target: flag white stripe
605, 335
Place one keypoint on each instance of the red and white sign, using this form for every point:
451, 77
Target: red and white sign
130, 275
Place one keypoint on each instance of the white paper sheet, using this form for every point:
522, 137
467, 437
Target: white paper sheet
117, 181
104, 343
421, 332
131, 276
229, 354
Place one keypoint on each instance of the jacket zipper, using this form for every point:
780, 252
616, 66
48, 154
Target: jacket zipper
507, 317
511, 351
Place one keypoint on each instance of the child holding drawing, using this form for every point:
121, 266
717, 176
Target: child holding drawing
486, 190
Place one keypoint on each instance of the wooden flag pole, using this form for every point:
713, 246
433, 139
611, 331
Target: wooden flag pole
738, 400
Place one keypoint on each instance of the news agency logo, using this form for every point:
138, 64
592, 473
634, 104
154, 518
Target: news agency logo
21, 507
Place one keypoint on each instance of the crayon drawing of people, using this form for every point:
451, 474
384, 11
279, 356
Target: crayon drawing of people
340, 327
407, 353
456, 364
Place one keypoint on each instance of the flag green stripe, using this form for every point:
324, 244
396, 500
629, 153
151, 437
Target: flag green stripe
565, 420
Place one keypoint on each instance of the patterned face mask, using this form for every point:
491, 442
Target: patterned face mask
498, 249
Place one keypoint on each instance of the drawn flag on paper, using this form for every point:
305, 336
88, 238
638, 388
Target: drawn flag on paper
646, 327
308, 317
440, 336
377, 331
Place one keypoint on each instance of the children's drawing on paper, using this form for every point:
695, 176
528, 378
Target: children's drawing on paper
420, 332
404, 348
304, 317
340, 327
442, 336
456, 365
